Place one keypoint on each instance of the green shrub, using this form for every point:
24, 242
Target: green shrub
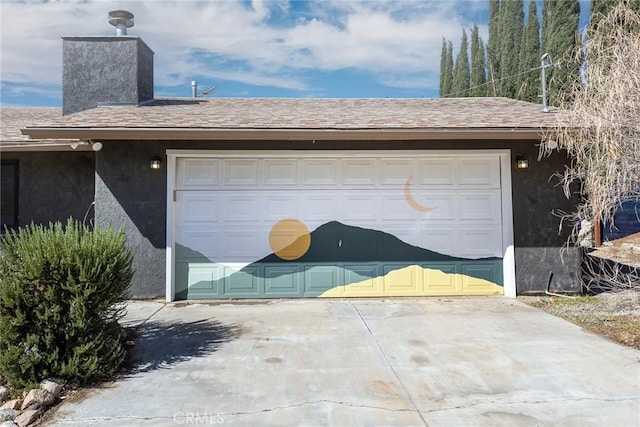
60, 294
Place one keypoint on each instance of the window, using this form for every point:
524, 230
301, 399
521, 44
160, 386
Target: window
9, 193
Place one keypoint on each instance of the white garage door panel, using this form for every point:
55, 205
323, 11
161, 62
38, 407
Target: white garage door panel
198, 207
280, 173
359, 172
195, 173
240, 173
479, 206
370, 226
444, 202
360, 207
322, 173
395, 172
319, 207
479, 171
393, 209
240, 208
478, 242
437, 172
278, 206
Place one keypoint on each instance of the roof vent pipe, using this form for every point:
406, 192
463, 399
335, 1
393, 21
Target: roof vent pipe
121, 19
194, 88
545, 62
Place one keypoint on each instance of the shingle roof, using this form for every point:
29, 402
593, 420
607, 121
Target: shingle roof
168, 117
14, 118
313, 113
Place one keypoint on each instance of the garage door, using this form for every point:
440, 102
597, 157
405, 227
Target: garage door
337, 225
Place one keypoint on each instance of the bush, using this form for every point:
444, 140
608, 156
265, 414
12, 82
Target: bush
60, 289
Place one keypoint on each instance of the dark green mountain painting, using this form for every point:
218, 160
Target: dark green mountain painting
338, 255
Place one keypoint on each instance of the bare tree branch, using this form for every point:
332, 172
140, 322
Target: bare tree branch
599, 120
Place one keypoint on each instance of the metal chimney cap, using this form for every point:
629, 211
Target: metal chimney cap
121, 19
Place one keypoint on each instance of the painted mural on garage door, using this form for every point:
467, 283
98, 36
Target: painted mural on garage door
338, 227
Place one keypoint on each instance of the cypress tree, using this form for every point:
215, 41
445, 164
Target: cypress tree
559, 30
511, 27
461, 73
478, 76
446, 68
443, 66
493, 49
530, 57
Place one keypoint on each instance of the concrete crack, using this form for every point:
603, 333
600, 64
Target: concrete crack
534, 402
314, 402
181, 415
114, 418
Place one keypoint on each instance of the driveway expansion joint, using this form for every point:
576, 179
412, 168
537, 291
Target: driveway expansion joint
389, 364
150, 316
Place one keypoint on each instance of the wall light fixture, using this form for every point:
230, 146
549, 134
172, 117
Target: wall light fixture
156, 163
522, 163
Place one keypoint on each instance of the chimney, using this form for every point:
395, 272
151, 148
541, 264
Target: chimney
98, 70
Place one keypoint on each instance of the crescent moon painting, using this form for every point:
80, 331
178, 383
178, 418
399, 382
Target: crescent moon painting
412, 202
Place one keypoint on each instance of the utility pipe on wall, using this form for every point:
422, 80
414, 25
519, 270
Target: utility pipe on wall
545, 62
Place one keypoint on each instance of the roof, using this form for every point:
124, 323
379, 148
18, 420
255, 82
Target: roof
15, 118
301, 119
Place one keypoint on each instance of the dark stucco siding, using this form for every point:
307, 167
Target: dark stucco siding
53, 186
132, 196
538, 200
129, 194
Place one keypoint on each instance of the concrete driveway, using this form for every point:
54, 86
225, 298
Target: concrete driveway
412, 362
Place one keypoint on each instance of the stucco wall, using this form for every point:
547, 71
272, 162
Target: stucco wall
98, 70
53, 186
537, 201
129, 194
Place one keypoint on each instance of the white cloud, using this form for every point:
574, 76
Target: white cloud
409, 82
268, 43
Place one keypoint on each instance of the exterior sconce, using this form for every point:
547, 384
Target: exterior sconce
156, 163
522, 163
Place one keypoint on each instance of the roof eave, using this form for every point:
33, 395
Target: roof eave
209, 134
8, 146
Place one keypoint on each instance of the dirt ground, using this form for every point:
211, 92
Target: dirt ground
614, 315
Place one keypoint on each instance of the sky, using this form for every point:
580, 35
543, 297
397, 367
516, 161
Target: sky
251, 48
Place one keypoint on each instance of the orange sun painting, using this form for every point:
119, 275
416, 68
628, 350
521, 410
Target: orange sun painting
289, 239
